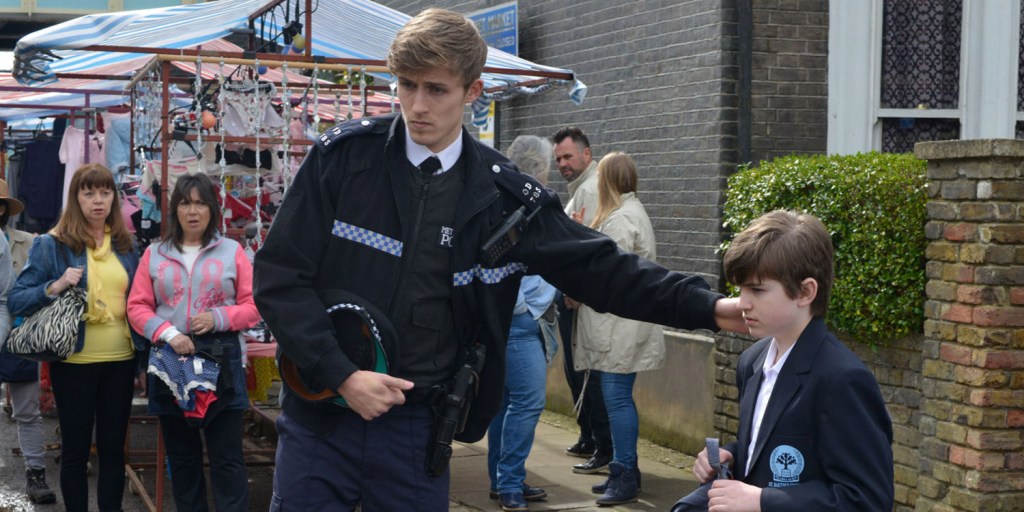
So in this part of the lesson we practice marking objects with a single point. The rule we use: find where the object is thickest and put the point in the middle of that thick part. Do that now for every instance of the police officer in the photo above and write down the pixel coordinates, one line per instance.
(395, 210)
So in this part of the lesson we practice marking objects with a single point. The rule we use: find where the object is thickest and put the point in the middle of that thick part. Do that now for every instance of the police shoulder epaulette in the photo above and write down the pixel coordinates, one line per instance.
(329, 139)
(524, 187)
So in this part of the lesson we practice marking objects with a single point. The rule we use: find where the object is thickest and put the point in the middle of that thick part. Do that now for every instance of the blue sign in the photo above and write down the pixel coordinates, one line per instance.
(499, 26)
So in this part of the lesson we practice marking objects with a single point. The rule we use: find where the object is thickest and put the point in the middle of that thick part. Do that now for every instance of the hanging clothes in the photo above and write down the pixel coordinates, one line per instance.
(118, 136)
(72, 153)
(42, 168)
(248, 111)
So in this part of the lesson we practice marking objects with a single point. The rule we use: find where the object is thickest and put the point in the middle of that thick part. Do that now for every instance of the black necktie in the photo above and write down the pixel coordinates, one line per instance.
(430, 166)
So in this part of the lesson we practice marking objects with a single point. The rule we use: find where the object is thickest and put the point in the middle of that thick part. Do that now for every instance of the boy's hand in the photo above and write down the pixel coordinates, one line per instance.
(702, 469)
(733, 496)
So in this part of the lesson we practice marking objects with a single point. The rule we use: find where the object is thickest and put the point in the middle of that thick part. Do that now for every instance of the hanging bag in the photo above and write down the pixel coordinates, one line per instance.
(50, 334)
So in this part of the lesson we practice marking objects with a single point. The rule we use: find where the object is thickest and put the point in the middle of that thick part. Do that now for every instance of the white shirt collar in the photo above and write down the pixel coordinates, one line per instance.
(773, 350)
(417, 153)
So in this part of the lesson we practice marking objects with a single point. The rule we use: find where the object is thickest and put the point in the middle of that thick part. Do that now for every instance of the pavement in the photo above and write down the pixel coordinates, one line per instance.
(666, 473)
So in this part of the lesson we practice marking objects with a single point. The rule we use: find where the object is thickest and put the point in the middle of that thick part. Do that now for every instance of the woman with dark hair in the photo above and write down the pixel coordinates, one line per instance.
(89, 248)
(191, 298)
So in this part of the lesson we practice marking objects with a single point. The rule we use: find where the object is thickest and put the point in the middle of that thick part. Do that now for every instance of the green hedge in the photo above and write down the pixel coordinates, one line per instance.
(874, 207)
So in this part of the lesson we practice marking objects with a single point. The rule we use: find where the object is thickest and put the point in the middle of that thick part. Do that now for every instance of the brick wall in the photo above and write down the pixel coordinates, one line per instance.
(789, 90)
(897, 366)
(972, 376)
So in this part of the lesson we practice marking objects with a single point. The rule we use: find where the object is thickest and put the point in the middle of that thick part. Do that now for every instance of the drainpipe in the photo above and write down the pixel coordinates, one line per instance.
(745, 13)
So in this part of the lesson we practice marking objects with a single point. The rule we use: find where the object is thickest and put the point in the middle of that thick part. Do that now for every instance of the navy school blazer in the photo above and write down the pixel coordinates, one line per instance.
(826, 437)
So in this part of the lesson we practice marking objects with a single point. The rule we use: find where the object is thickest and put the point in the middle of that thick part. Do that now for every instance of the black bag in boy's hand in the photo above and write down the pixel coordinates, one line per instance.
(697, 501)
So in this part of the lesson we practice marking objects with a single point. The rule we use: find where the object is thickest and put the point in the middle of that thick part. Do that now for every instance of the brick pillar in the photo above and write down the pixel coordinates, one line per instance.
(728, 347)
(972, 374)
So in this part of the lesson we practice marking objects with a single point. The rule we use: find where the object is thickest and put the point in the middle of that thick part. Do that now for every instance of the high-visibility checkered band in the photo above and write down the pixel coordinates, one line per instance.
(488, 275)
(367, 237)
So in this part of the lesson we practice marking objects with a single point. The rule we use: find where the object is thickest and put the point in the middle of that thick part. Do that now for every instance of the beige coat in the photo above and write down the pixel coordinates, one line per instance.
(608, 343)
(20, 242)
(583, 194)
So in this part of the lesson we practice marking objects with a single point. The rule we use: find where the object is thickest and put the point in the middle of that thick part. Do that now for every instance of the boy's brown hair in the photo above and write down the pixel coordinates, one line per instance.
(788, 247)
(439, 39)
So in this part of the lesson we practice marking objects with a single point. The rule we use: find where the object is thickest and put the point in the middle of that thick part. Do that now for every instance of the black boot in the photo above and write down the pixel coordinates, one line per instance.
(600, 488)
(622, 486)
(38, 491)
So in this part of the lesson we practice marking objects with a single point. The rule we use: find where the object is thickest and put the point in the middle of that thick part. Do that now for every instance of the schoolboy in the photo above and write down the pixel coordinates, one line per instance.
(369, 215)
(814, 431)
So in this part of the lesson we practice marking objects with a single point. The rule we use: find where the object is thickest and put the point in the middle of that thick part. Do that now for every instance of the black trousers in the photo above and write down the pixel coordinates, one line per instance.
(223, 436)
(88, 394)
(378, 465)
(593, 417)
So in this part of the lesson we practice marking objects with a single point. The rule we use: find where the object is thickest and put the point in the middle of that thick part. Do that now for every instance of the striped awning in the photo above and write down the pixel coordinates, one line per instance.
(354, 29)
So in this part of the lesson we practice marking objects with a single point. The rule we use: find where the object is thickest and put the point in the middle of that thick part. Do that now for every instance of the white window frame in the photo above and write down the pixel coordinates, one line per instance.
(987, 105)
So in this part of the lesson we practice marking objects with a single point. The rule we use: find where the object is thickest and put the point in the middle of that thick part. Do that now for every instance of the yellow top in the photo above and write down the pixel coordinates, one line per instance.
(107, 338)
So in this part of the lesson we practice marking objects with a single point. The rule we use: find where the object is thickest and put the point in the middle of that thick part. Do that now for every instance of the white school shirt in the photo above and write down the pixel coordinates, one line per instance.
(764, 394)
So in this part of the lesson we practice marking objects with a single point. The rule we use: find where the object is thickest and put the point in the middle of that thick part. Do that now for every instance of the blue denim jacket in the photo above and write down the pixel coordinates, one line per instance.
(45, 266)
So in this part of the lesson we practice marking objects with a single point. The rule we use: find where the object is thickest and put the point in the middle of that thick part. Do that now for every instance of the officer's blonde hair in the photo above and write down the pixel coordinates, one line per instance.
(439, 39)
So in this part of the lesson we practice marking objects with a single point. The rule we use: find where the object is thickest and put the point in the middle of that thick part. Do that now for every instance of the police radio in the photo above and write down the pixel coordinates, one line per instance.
(506, 236)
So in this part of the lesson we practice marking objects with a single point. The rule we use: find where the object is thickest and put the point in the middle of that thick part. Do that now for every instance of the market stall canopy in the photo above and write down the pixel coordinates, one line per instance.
(358, 29)
(71, 93)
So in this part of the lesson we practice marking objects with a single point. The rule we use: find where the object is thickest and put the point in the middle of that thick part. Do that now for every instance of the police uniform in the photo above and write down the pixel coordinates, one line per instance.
(360, 219)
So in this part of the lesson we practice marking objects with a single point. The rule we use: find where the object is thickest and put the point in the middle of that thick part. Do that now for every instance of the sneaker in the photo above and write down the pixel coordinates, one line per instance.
(581, 449)
(530, 493)
(38, 491)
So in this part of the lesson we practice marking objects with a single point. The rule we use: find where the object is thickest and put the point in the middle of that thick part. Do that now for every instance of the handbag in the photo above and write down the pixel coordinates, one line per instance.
(50, 334)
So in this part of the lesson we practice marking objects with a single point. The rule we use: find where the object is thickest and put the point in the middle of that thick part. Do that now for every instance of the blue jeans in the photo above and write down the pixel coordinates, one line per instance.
(625, 423)
(510, 435)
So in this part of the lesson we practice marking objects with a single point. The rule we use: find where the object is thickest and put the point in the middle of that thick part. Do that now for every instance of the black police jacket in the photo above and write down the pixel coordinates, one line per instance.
(340, 226)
